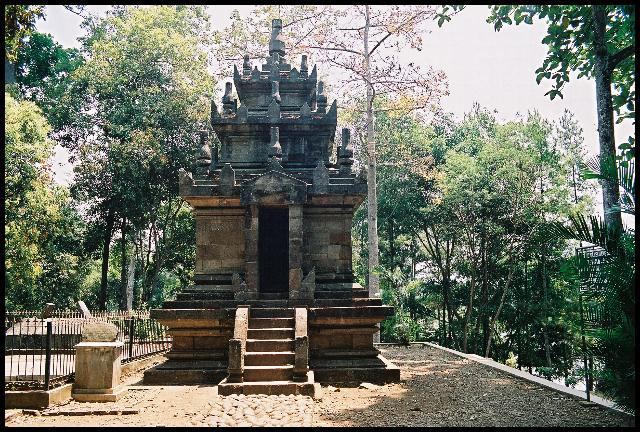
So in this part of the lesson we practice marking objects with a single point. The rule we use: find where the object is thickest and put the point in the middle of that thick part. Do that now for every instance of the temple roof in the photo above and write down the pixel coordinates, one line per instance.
(281, 120)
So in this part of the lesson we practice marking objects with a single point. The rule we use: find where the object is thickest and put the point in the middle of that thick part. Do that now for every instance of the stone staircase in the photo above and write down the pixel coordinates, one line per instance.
(270, 345)
(269, 358)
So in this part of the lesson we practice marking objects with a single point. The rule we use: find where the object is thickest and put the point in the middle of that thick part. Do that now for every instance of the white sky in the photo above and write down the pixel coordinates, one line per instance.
(495, 69)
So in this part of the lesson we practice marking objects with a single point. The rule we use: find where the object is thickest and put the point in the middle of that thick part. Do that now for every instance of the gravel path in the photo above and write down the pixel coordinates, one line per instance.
(437, 389)
(176, 406)
(441, 389)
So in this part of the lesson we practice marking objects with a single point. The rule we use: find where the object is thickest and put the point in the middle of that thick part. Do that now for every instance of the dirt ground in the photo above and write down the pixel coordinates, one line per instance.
(437, 389)
(441, 389)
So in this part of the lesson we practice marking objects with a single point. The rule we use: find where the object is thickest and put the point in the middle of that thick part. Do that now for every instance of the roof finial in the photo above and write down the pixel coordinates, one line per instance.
(276, 43)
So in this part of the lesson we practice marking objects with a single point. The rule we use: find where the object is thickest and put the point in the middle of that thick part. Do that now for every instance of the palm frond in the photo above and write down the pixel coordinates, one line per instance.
(592, 230)
(621, 173)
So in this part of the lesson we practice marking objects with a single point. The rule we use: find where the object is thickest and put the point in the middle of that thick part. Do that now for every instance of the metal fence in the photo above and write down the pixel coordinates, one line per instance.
(40, 353)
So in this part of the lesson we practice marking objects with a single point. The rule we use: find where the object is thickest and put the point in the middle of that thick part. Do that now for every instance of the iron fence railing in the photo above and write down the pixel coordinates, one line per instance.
(40, 353)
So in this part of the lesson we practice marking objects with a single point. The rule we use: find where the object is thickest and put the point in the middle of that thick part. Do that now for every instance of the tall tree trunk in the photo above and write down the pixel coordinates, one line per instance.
(603, 71)
(123, 265)
(497, 315)
(545, 331)
(105, 261)
(449, 311)
(519, 341)
(527, 319)
(472, 285)
(413, 261)
(372, 199)
(130, 280)
(467, 315)
(485, 291)
(476, 335)
(444, 318)
(392, 246)
(439, 326)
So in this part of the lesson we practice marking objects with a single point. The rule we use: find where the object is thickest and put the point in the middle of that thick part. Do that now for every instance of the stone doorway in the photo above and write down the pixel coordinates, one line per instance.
(273, 250)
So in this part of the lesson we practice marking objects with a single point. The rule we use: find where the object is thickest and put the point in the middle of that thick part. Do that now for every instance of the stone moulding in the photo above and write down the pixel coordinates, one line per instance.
(272, 183)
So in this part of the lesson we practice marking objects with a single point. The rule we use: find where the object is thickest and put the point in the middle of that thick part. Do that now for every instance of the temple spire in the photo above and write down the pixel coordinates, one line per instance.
(276, 43)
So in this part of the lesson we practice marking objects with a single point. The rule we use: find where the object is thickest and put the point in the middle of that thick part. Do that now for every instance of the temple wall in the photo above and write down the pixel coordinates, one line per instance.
(327, 241)
(220, 243)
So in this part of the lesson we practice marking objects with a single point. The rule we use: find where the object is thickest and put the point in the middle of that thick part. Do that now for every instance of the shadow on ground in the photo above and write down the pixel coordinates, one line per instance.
(440, 389)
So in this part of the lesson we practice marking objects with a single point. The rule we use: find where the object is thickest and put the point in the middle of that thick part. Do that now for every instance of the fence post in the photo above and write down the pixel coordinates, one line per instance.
(47, 363)
(131, 331)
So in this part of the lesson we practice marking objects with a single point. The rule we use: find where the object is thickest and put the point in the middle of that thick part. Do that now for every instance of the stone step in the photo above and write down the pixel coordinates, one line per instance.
(268, 373)
(205, 295)
(348, 302)
(271, 333)
(218, 303)
(258, 323)
(208, 287)
(208, 279)
(199, 304)
(341, 294)
(270, 388)
(270, 345)
(279, 358)
(274, 296)
(280, 312)
(267, 303)
(320, 286)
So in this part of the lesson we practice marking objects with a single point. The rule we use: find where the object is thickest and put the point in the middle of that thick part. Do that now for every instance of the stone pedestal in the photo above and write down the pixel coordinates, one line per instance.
(200, 345)
(341, 345)
(98, 372)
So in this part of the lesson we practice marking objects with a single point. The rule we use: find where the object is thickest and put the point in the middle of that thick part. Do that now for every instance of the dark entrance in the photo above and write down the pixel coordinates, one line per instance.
(273, 250)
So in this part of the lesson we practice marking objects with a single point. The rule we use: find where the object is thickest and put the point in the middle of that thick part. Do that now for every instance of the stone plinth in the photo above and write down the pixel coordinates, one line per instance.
(341, 345)
(199, 352)
(97, 376)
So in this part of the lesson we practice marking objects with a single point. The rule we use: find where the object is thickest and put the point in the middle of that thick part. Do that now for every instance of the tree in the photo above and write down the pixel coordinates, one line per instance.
(19, 22)
(597, 41)
(405, 168)
(568, 136)
(134, 107)
(43, 67)
(613, 291)
(44, 259)
(335, 35)
(377, 71)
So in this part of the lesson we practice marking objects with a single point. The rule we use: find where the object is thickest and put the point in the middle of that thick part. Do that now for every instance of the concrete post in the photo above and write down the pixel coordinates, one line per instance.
(98, 356)
(301, 362)
(238, 346)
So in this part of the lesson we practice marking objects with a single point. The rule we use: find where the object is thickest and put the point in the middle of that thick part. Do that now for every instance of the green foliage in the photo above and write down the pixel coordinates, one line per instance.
(475, 213)
(42, 71)
(134, 108)
(43, 258)
(612, 292)
(19, 22)
(570, 38)
(400, 328)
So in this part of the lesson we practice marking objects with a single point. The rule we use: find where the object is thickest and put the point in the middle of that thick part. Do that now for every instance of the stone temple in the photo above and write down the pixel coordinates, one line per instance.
(274, 307)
